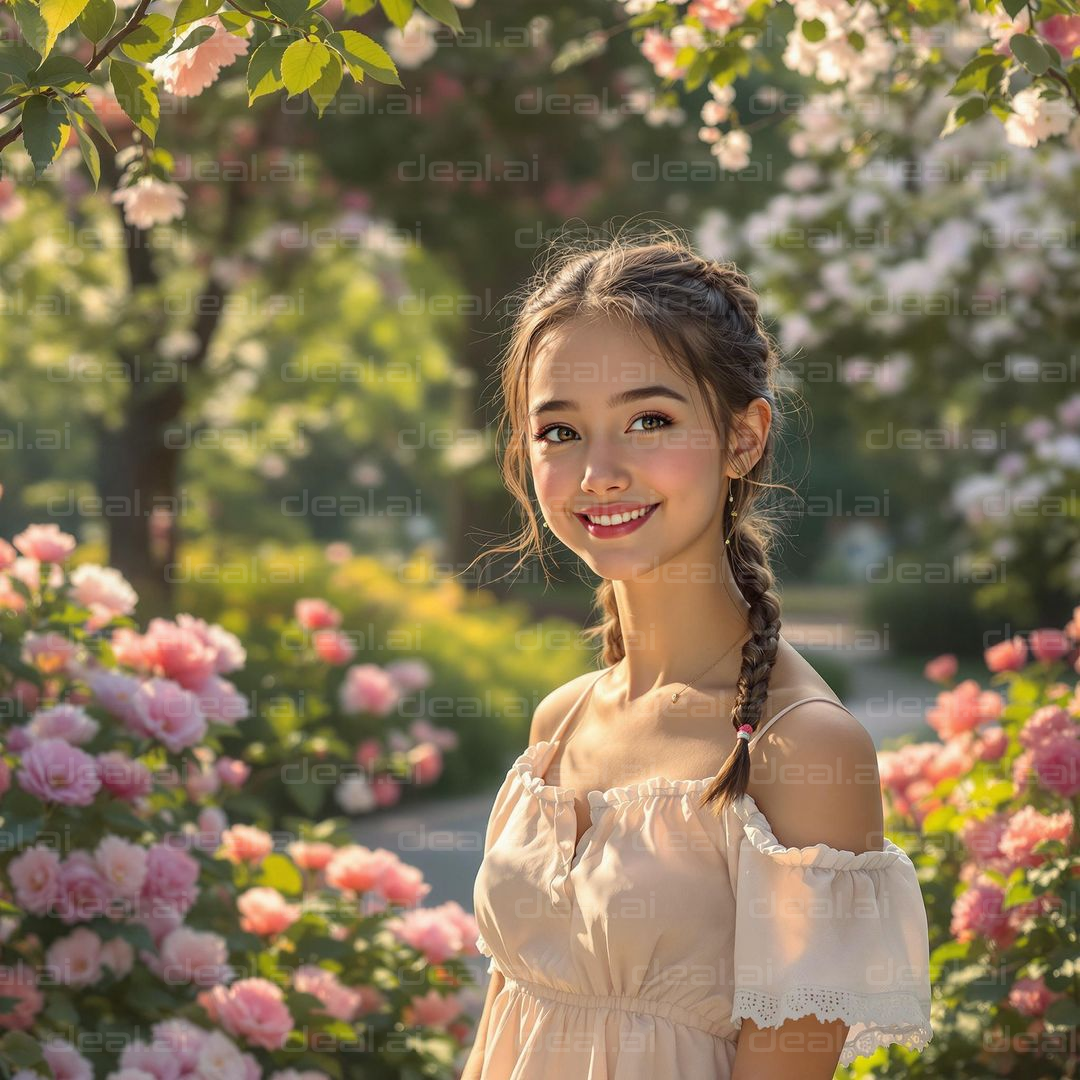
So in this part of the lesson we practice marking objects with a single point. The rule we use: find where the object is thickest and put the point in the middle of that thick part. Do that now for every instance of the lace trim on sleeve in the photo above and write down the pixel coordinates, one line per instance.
(874, 1019)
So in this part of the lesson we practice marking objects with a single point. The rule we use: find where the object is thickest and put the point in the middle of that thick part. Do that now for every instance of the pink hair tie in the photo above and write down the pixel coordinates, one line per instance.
(744, 732)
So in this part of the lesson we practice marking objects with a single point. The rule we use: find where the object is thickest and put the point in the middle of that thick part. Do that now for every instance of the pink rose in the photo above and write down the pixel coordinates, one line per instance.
(118, 955)
(386, 790)
(246, 844)
(172, 879)
(178, 653)
(1057, 765)
(183, 1040)
(122, 865)
(82, 893)
(402, 884)
(65, 1061)
(410, 675)
(265, 911)
(51, 653)
(941, 669)
(45, 543)
(367, 688)
(232, 772)
(355, 868)
(963, 709)
(979, 911)
(75, 960)
(121, 776)
(1049, 722)
(251, 1009)
(221, 702)
(311, 854)
(5, 777)
(340, 1001)
(68, 722)
(153, 1061)
(35, 873)
(1063, 32)
(1026, 828)
(56, 771)
(20, 982)
(1031, 997)
(189, 73)
(1006, 655)
(333, 647)
(116, 692)
(368, 752)
(316, 614)
(1048, 644)
(432, 1010)
(170, 714)
(430, 931)
(193, 956)
(991, 744)
(426, 761)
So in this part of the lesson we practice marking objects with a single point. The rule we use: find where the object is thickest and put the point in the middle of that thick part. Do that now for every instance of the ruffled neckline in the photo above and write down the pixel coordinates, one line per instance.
(756, 826)
(526, 767)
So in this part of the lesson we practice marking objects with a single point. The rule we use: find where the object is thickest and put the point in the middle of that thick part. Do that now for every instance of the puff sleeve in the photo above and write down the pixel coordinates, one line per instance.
(832, 933)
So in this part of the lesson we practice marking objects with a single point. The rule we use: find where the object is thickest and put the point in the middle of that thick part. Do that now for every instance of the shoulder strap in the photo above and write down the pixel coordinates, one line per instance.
(571, 712)
(787, 708)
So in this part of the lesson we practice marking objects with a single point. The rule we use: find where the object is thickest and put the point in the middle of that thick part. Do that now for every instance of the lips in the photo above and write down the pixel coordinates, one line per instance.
(611, 531)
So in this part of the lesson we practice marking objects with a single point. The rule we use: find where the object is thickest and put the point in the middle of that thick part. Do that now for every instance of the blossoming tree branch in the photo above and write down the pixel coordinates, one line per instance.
(55, 50)
(1013, 59)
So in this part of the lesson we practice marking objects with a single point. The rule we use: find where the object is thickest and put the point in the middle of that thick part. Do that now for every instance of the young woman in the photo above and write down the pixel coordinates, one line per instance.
(685, 873)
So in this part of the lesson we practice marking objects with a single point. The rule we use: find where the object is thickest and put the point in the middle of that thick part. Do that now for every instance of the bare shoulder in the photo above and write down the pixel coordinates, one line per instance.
(814, 774)
(553, 708)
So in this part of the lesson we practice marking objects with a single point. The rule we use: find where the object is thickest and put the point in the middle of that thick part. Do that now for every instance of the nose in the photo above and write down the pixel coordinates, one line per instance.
(604, 476)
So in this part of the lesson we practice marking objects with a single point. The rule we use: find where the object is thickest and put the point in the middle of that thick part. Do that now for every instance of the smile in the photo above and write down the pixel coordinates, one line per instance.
(612, 525)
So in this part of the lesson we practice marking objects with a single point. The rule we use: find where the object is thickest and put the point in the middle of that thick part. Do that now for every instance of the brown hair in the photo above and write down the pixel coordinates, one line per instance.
(704, 317)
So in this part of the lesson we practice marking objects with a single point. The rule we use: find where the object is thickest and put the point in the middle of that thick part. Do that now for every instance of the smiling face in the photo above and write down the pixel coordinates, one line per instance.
(593, 451)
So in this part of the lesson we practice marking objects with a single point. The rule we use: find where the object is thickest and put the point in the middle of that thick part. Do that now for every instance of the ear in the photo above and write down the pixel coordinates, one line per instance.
(746, 443)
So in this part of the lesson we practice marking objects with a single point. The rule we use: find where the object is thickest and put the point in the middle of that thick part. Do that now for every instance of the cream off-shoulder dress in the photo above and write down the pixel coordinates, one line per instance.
(634, 952)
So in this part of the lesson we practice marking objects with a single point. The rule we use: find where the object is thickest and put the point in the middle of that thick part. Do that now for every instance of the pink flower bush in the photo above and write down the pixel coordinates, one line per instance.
(941, 669)
(368, 688)
(1003, 781)
(134, 895)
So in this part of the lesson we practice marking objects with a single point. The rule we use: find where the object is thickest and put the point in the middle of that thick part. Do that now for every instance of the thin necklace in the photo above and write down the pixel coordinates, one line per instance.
(675, 696)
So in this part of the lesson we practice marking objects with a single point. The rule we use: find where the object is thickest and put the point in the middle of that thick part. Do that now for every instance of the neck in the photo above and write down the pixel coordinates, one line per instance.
(675, 627)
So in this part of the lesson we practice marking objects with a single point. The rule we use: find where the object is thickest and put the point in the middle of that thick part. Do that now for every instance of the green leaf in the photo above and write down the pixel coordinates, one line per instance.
(58, 16)
(1064, 1012)
(280, 872)
(21, 1049)
(813, 30)
(939, 820)
(97, 19)
(137, 94)
(45, 130)
(977, 75)
(61, 71)
(196, 37)
(86, 111)
(323, 89)
(302, 64)
(399, 12)
(361, 55)
(445, 12)
(151, 39)
(264, 68)
(88, 149)
(33, 26)
(18, 60)
(190, 10)
(308, 795)
(359, 7)
(1030, 53)
(1013, 7)
(964, 113)
(292, 11)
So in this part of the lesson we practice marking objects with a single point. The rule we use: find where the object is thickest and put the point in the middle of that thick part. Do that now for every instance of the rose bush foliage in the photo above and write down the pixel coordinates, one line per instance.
(989, 814)
(143, 936)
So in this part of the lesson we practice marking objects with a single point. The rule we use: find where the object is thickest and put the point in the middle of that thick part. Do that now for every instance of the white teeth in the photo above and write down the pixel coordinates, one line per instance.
(618, 519)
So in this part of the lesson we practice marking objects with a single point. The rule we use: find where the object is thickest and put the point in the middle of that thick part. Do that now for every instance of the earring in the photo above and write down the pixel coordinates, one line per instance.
(734, 514)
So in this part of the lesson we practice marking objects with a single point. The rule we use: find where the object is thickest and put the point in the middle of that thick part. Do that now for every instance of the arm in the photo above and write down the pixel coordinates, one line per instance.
(475, 1062)
(814, 776)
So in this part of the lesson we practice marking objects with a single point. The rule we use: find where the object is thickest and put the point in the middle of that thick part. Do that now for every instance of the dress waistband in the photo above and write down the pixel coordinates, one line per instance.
(625, 1003)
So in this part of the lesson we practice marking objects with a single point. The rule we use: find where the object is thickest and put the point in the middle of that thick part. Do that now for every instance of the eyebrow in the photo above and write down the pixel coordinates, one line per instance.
(621, 397)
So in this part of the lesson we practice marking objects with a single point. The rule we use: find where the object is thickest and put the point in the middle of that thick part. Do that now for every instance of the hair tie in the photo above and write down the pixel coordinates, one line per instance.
(744, 732)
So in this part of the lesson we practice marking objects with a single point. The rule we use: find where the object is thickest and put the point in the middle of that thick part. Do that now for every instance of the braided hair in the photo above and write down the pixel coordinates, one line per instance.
(704, 316)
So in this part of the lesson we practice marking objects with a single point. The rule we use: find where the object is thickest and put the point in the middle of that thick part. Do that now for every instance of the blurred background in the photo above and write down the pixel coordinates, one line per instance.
(287, 390)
